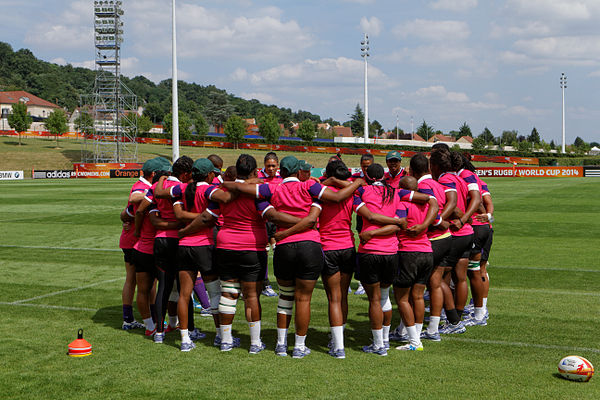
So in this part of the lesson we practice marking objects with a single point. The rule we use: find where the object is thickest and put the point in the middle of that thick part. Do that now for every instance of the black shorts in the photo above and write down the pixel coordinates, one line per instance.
(373, 268)
(196, 258)
(340, 261)
(144, 262)
(441, 249)
(243, 265)
(128, 255)
(302, 260)
(165, 254)
(415, 268)
(485, 250)
(271, 229)
(461, 248)
(480, 237)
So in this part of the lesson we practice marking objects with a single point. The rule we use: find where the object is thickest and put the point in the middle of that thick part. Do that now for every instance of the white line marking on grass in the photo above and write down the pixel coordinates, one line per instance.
(491, 268)
(55, 248)
(521, 344)
(48, 306)
(547, 291)
(66, 291)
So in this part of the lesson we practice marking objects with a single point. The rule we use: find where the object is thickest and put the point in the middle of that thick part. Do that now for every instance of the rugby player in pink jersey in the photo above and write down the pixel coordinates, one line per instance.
(482, 236)
(298, 258)
(462, 237)
(439, 236)
(269, 174)
(128, 240)
(166, 243)
(143, 258)
(395, 169)
(195, 251)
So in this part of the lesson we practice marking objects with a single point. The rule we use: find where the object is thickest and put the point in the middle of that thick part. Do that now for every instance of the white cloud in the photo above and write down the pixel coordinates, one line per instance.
(359, 1)
(372, 26)
(239, 74)
(433, 30)
(527, 29)
(580, 10)
(440, 94)
(433, 55)
(262, 97)
(453, 5)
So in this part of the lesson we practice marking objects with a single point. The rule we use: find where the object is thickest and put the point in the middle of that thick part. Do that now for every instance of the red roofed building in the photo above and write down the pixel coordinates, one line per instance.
(441, 138)
(343, 131)
(465, 139)
(38, 108)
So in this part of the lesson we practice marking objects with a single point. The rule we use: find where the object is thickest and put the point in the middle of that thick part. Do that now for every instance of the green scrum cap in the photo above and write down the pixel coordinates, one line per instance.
(290, 164)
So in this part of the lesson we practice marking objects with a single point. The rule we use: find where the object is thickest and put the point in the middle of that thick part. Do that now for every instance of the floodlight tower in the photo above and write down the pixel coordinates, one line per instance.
(113, 106)
(364, 53)
(175, 101)
(563, 86)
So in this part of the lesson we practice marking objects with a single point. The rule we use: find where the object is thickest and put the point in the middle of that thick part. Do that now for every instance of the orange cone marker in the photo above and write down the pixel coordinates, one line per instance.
(79, 347)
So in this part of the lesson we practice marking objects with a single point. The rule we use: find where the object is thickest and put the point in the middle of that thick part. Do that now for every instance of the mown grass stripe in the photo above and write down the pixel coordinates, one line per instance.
(491, 268)
(66, 291)
(519, 344)
(546, 291)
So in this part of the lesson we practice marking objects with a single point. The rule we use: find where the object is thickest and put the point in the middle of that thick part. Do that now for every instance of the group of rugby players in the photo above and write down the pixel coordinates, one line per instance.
(426, 228)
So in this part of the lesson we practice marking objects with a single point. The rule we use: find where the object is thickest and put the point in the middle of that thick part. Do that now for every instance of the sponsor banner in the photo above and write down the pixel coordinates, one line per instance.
(91, 170)
(53, 174)
(530, 172)
(505, 159)
(124, 173)
(10, 175)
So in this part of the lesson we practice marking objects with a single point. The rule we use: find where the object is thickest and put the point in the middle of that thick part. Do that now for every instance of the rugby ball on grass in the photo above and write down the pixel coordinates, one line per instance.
(575, 368)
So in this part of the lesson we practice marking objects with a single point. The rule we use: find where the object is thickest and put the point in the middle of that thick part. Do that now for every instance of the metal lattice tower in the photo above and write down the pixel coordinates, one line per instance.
(112, 105)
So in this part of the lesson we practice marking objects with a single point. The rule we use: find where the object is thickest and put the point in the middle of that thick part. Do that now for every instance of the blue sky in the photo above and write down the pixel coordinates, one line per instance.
(487, 63)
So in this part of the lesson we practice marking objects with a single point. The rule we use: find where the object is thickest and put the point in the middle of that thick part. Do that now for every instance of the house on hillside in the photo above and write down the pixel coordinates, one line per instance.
(38, 108)
(343, 131)
(441, 138)
(465, 139)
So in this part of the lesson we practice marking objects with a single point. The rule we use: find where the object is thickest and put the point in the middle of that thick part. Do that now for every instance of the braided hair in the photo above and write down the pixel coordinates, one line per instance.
(190, 190)
(375, 174)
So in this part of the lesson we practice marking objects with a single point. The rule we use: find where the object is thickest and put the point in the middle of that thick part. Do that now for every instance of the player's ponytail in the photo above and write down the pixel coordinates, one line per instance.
(190, 190)
(374, 173)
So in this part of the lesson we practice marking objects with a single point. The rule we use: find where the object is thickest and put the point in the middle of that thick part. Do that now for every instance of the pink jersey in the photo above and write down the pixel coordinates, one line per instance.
(202, 202)
(452, 182)
(483, 189)
(269, 179)
(429, 186)
(415, 214)
(394, 181)
(145, 243)
(294, 198)
(165, 207)
(218, 180)
(372, 197)
(357, 175)
(128, 239)
(243, 224)
(335, 224)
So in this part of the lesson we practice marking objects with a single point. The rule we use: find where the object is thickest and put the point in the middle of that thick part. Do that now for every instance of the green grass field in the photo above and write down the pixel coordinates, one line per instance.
(62, 271)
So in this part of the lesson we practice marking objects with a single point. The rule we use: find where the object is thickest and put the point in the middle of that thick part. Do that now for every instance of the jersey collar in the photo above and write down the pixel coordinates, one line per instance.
(428, 176)
(290, 179)
(173, 179)
(144, 181)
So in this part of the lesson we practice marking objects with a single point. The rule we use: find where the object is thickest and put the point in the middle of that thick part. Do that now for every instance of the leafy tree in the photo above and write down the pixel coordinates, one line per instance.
(218, 109)
(56, 123)
(524, 145)
(323, 133)
(580, 144)
(544, 146)
(594, 144)
(552, 145)
(479, 144)
(19, 119)
(465, 130)
(425, 131)
(155, 112)
(84, 123)
(331, 122)
(509, 137)
(306, 131)
(235, 129)
(137, 123)
(268, 127)
(486, 135)
(534, 137)
(357, 121)
(201, 125)
(185, 125)
(375, 128)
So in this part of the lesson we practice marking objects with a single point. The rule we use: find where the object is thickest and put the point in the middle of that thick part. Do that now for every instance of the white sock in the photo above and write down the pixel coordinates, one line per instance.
(149, 324)
(401, 328)
(282, 336)
(300, 340)
(434, 323)
(412, 334)
(254, 332)
(386, 333)
(485, 303)
(377, 337)
(185, 336)
(479, 313)
(173, 321)
(226, 336)
(337, 334)
(419, 329)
